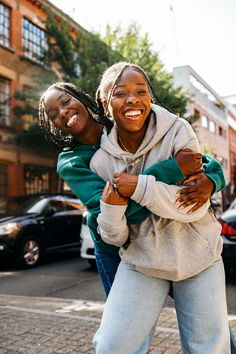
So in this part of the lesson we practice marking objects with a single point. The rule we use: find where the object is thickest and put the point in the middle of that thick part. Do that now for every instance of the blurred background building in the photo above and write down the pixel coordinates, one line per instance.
(215, 123)
(24, 45)
(23, 54)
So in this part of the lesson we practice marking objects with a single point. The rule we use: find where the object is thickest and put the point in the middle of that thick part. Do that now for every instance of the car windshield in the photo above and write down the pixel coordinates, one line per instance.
(25, 205)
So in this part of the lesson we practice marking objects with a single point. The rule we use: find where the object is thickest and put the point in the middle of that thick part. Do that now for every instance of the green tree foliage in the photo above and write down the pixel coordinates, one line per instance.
(62, 49)
(92, 58)
(134, 47)
(82, 60)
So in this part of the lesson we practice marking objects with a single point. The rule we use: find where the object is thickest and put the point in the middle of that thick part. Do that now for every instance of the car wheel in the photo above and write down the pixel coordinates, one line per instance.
(30, 252)
(92, 262)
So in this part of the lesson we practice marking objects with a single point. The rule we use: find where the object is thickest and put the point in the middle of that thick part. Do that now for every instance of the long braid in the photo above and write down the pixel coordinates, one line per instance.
(102, 112)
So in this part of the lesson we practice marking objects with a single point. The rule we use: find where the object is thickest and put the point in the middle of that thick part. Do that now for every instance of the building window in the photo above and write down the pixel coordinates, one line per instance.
(28, 121)
(212, 127)
(222, 132)
(3, 179)
(37, 179)
(3, 186)
(4, 25)
(205, 121)
(196, 113)
(35, 44)
(4, 102)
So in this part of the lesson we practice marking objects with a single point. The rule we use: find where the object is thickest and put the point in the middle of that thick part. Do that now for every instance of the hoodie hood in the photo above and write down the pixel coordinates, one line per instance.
(160, 122)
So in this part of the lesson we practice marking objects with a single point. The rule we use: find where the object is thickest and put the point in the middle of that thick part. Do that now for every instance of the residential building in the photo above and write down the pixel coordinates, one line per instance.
(211, 127)
(231, 118)
(23, 53)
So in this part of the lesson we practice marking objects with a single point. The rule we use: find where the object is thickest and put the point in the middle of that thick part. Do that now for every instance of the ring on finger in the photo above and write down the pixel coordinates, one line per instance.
(114, 185)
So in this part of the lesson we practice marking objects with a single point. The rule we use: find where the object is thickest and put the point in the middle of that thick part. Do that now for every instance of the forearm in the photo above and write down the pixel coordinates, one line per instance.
(112, 224)
(167, 171)
(160, 199)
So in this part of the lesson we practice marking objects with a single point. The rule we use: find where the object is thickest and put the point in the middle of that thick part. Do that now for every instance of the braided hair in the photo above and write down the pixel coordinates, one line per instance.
(52, 134)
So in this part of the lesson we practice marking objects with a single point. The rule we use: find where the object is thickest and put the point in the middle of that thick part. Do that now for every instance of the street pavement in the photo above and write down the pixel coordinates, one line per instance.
(32, 325)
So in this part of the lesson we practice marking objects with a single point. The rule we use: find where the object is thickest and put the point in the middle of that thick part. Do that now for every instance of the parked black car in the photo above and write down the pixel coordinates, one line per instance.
(34, 224)
(228, 233)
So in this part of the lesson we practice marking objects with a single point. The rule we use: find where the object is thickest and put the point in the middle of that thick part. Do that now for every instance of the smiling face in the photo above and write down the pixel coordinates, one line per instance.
(67, 114)
(130, 101)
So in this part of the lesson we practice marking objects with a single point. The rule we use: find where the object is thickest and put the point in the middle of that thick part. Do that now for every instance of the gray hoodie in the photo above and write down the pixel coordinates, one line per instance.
(170, 244)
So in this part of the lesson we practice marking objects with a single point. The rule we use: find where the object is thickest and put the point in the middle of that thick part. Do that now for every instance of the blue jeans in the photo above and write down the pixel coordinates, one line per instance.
(107, 264)
(136, 300)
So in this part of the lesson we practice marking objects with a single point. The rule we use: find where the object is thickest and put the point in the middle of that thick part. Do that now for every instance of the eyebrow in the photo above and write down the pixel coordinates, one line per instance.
(63, 93)
(58, 98)
(138, 84)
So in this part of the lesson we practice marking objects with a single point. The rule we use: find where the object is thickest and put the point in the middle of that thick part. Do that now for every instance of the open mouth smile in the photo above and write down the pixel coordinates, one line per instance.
(134, 114)
(72, 120)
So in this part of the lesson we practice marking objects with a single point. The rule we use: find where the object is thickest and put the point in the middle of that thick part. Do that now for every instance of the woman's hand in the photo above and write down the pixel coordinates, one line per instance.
(111, 195)
(195, 194)
(190, 162)
(125, 183)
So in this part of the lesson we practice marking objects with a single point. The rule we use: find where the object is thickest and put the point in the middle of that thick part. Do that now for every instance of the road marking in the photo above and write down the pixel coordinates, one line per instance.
(82, 305)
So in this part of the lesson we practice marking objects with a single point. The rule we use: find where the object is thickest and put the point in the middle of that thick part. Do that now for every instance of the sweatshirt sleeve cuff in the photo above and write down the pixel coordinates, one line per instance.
(140, 188)
(112, 213)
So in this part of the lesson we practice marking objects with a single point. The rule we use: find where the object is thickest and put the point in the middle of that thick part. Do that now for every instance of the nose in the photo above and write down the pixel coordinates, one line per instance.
(63, 112)
(132, 98)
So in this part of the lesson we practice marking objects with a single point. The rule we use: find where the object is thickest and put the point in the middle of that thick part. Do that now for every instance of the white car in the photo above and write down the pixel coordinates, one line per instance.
(87, 245)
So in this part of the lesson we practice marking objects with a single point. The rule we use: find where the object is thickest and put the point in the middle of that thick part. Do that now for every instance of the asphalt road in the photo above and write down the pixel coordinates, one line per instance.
(70, 277)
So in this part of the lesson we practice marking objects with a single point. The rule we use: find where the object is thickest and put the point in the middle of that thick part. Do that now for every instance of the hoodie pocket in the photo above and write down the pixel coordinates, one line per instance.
(204, 230)
(174, 250)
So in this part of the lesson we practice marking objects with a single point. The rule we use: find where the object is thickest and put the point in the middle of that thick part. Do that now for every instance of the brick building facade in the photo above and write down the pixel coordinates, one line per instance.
(23, 44)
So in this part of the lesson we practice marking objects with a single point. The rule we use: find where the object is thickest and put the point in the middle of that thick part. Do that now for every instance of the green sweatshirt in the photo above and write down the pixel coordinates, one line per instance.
(73, 168)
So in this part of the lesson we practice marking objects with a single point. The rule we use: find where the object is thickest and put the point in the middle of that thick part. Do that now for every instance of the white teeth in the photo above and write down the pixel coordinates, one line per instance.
(133, 113)
(72, 120)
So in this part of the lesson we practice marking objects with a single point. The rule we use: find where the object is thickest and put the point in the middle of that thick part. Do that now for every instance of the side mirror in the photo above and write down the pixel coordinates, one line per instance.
(50, 211)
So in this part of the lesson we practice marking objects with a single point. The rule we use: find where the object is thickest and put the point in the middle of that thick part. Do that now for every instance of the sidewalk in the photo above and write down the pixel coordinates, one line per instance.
(32, 325)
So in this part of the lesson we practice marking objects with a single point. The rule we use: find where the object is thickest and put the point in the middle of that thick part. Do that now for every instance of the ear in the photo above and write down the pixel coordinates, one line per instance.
(105, 107)
(104, 104)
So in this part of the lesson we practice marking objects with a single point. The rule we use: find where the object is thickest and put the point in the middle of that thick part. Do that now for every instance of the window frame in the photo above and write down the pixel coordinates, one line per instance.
(37, 179)
(212, 126)
(5, 102)
(204, 119)
(3, 179)
(5, 36)
(34, 42)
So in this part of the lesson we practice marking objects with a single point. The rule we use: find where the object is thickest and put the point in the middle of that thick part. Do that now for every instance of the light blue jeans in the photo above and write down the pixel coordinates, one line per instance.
(136, 300)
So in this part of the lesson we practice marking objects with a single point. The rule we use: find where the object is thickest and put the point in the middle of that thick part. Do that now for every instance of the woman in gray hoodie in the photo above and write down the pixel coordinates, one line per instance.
(176, 244)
